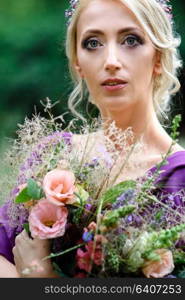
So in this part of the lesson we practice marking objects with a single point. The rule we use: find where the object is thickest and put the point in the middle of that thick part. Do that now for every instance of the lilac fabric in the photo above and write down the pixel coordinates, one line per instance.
(7, 234)
(171, 180)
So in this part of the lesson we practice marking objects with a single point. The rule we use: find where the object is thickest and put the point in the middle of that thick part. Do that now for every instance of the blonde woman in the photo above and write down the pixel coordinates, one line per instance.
(124, 53)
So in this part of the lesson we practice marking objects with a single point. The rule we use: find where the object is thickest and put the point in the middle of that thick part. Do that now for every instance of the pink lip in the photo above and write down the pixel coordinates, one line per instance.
(116, 87)
(120, 84)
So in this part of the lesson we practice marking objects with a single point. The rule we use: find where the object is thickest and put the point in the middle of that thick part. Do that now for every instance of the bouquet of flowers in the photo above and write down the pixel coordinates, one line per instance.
(67, 189)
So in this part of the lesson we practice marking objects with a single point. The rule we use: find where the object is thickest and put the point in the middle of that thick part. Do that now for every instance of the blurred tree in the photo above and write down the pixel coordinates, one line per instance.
(33, 63)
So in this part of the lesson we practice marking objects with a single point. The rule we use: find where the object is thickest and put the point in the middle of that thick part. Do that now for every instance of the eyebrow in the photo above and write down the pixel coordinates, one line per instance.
(123, 30)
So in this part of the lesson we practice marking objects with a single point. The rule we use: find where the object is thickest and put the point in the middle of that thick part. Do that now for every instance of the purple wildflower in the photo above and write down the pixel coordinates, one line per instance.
(106, 156)
(93, 163)
(88, 206)
(180, 243)
(67, 136)
(129, 219)
(35, 156)
(177, 200)
(15, 191)
(118, 231)
(124, 198)
(22, 179)
(18, 212)
(82, 176)
(137, 221)
(87, 209)
(132, 220)
(87, 236)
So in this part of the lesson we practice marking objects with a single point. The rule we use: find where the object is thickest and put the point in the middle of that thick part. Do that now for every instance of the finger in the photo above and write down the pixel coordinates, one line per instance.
(14, 250)
(21, 238)
(15, 254)
(25, 235)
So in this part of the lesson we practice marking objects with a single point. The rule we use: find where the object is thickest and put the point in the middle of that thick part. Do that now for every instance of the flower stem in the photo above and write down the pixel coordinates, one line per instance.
(63, 252)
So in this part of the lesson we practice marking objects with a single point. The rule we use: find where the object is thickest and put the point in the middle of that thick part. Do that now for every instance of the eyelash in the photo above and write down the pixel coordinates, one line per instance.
(85, 43)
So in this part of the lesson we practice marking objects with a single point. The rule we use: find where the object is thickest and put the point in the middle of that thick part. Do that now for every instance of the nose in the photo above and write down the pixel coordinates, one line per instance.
(112, 62)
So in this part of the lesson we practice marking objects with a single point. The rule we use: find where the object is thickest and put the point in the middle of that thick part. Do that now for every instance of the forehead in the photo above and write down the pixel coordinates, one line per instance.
(106, 14)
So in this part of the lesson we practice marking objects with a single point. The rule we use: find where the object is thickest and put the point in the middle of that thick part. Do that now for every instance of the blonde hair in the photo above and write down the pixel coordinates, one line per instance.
(159, 28)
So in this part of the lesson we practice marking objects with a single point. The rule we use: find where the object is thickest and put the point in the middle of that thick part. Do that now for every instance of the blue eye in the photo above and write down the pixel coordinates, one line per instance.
(132, 41)
(91, 44)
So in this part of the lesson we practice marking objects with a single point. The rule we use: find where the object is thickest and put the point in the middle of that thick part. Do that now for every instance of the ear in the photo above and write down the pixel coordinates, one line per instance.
(157, 65)
(78, 68)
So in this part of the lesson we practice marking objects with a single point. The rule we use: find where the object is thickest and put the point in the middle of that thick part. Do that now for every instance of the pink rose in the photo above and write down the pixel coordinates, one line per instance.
(59, 187)
(158, 269)
(47, 221)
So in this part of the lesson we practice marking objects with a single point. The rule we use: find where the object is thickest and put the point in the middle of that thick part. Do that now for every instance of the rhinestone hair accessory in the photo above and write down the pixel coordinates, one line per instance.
(73, 4)
(69, 12)
(167, 8)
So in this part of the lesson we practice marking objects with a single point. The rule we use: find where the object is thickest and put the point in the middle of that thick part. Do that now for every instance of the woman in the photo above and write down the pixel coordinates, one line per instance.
(125, 53)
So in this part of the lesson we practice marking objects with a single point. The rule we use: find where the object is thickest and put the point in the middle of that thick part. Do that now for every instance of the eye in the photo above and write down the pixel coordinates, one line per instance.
(91, 44)
(133, 41)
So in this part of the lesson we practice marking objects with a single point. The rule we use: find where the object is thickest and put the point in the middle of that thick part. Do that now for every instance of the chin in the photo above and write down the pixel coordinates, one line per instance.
(116, 104)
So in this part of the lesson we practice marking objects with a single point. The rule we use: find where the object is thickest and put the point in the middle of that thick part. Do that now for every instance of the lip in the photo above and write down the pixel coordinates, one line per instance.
(114, 87)
(111, 80)
(120, 84)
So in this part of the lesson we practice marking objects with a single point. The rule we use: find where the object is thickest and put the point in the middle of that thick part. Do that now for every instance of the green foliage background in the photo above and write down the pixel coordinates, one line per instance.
(33, 65)
(32, 60)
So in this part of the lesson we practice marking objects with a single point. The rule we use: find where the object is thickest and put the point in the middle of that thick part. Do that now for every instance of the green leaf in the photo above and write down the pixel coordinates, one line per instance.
(112, 217)
(26, 227)
(114, 192)
(181, 274)
(23, 196)
(58, 270)
(152, 256)
(81, 195)
(179, 256)
(158, 215)
(34, 190)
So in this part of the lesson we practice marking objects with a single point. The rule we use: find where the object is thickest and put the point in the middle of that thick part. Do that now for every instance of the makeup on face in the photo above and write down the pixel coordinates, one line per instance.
(93, 39)
(116, 57)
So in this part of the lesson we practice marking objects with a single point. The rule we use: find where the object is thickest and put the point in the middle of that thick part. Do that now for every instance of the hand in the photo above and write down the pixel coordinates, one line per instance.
(28, 255)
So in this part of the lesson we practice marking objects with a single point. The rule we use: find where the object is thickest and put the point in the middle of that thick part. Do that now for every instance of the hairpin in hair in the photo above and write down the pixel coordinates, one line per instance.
(73, 4)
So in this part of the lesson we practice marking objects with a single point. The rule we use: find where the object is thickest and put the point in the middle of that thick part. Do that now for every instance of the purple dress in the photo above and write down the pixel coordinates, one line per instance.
(170, 181)
(7, 234)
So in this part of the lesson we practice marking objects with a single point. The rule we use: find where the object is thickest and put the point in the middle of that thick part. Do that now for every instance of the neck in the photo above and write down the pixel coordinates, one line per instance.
(144, 124)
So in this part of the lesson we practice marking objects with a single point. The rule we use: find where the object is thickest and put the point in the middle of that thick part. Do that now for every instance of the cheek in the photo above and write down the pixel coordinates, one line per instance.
(87, 64)
(91, 86)
(143, 67)
(88, 68)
